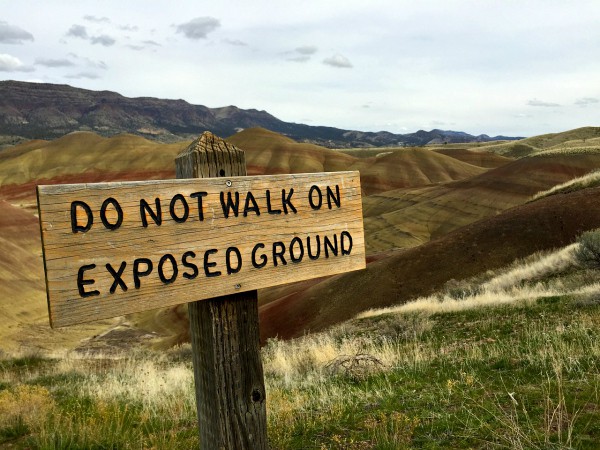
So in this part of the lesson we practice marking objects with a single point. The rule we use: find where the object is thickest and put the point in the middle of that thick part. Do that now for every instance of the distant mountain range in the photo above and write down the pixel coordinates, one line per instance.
(48, 111)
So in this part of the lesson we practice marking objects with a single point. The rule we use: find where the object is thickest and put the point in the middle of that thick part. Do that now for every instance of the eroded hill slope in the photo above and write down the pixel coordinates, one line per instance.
(491, 243)
(411, 196)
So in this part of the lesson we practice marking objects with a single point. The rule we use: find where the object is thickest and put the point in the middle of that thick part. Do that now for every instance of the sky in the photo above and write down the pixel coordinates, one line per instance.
(513, 68)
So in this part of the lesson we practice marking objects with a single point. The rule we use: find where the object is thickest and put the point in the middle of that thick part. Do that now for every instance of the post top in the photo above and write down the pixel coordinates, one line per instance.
(210, 156)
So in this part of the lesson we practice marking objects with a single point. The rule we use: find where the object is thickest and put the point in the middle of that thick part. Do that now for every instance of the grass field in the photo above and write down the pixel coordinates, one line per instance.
(522, 372)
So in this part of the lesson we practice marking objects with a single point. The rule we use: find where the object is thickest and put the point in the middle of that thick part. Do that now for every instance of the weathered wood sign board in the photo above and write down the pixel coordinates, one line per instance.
(116, 248)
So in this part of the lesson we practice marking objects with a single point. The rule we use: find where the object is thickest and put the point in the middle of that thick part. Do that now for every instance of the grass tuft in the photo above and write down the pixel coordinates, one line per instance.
(589, 180)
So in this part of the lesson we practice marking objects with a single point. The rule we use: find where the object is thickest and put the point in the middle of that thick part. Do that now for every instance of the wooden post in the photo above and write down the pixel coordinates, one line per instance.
(230, 391)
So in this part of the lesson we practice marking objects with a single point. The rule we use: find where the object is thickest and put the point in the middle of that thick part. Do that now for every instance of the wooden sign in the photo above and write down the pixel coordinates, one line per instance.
(116, 248)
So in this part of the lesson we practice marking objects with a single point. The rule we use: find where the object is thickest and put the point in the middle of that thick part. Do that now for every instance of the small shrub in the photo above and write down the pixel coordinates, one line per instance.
(588, 252)
(356, 367)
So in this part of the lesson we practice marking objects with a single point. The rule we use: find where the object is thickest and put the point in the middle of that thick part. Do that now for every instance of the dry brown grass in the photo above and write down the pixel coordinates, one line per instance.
(513, 284)
(591, 179)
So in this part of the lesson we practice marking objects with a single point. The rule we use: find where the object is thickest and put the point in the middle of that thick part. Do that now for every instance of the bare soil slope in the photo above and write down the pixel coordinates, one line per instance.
(268, 152)
(23, 311)
(416, 195)
(409, 217)
(87, 157)
(477, 158)
(488, 244)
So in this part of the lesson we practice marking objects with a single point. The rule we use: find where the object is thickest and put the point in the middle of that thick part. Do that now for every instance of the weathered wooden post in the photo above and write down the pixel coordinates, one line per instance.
(230, 388)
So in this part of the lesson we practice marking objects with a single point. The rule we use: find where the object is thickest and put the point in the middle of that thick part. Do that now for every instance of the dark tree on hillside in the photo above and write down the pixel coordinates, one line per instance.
(588, 253)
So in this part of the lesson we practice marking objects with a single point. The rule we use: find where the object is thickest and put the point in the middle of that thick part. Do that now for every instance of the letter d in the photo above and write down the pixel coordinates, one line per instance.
(75, 223)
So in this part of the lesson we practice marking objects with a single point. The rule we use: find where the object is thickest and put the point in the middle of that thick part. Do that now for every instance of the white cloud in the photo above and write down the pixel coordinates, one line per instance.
(144, 45)
(338, 61)
(95, 64)
(129, 27)
(103, 39)
(49, 62)
(199, 27)
(9, 63)
(89, 62)
(543, 104)
(10, 34)
(585, 101)
(301, 54)
(307, 50)
(96, 19)
(83, 75)
(235, 42)
(78, 31)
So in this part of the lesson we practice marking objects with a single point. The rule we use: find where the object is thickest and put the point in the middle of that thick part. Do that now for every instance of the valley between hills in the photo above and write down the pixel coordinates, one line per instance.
(432, 215)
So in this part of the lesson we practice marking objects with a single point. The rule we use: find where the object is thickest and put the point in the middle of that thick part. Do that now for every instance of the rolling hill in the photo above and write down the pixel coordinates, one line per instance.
(23, 311)
(88, 157)
(410, 217)
(268, 152)
(431, 215)
(579, 137)
(488, 244)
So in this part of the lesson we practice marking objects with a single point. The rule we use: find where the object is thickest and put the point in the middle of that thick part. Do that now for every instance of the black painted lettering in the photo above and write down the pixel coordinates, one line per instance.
(156, 215)
(238, 255)
(329, 246)
(137, 273)
(209, 264)
(298, 242)
(335, 197)
(189, 265)
(248, 208)
(263, 258)
(199, 196)
(287, 201)
(270, 210)
(173, 211)
(279, 252)
(230, 204)
(118, 210)
(81, 283)
(308, 247)
(117, 280)
(311, 193)
(161, 269)
(348, 236)
(75, 223)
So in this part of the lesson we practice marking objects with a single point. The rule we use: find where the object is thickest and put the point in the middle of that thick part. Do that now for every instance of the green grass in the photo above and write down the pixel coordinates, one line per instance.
(524, 374)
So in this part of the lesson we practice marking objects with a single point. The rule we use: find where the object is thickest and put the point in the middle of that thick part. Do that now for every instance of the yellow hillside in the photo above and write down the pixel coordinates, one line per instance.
(579, 137)
(409, 217)
(85, 152)
(268, 152)
(411, 196)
